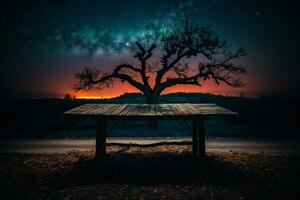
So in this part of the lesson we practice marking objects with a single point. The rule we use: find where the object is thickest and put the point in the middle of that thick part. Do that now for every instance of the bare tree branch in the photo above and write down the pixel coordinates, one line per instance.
(90, 77)
(143, 55)
(191, 40)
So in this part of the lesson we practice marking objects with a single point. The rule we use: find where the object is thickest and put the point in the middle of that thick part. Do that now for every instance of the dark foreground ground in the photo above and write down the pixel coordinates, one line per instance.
(161, 172)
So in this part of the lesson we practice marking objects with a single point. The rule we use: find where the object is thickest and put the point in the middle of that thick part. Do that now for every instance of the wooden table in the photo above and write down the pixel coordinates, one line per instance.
(195, 112)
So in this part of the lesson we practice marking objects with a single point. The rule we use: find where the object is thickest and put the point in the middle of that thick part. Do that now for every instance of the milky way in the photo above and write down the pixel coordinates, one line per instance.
(43, 43)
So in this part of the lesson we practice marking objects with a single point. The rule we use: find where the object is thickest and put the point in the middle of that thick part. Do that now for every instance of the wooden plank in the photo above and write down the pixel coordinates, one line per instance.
(125, 111)
(178, 108)
(152, 111)
(193, 110)
(143, 110)
(146, 111)
(96, 110)
(164, 110)
(78, 110)
(133, 110)
(187, 109)
(119, 109)
(101, 109)
(128, 111)
(172, 110)
(111, 109)
(138, 109)
(157, 110)
(89, 109)
(182, 109)
(73, 111)
(213, 109)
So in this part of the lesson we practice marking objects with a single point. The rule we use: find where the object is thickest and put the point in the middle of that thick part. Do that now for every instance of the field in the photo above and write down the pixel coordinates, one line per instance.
(161, 172)
(156, 172)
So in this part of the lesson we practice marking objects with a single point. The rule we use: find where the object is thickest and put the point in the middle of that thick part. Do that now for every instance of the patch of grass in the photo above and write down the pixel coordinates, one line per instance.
(162, 172)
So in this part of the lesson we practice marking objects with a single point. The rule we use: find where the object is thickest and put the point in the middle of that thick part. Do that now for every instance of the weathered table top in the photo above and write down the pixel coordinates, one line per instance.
(149, 110)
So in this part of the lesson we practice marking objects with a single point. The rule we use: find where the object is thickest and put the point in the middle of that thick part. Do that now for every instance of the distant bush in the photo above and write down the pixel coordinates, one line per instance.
(69, 97)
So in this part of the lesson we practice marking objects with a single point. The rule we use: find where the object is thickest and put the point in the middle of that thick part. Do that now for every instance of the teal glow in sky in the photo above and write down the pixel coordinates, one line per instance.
(43, 43)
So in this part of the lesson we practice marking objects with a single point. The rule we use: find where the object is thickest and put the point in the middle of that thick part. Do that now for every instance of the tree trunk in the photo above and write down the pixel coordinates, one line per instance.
(152, 98)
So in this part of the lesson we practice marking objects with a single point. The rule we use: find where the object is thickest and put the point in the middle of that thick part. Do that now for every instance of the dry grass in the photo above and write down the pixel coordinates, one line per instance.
(162, 172)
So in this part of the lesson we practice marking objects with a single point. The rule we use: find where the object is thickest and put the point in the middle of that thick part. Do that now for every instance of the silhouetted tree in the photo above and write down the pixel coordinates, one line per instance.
(69, 97)
(177, 45)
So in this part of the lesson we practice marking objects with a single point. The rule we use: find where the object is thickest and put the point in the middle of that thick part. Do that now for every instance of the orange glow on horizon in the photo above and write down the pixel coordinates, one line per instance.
(93, 97)
(120, 88)
(253, 88)
(64, 83)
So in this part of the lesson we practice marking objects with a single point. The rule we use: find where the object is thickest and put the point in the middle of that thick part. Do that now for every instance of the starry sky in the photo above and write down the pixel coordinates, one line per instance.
(43, 43)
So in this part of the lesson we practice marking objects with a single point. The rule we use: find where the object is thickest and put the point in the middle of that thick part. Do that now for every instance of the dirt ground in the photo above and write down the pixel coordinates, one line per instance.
(160, 172)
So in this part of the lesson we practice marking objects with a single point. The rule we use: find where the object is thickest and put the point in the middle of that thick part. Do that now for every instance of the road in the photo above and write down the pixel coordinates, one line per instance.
(248, 145)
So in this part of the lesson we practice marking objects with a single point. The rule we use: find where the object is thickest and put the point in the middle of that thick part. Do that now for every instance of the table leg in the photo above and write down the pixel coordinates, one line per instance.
(101, 137)
(195, 138)
(201, 137)
(198, 138)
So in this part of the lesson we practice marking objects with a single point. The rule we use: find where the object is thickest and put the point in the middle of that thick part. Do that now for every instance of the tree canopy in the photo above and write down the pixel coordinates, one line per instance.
(176, 46)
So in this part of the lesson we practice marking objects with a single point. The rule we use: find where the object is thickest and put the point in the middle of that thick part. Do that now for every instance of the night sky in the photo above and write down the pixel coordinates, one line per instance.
(43, 43)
